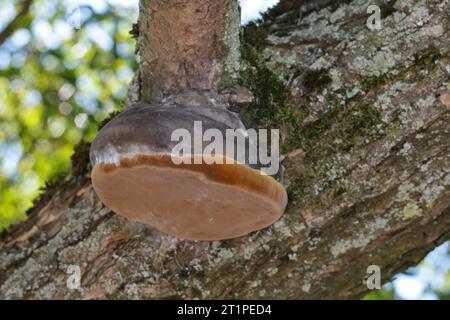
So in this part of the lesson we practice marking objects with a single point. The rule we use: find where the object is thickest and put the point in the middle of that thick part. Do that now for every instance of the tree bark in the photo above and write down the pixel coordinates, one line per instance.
(187, 48)
(365, 119)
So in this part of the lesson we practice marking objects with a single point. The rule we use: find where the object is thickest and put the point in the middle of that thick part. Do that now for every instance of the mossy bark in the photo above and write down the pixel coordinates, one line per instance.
(365, 120)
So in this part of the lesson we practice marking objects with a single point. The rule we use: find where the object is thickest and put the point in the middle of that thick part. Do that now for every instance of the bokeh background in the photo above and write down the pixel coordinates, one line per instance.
(64, 66)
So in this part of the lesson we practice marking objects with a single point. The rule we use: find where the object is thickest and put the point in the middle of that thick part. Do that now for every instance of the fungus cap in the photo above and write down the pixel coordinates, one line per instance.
(134, 174)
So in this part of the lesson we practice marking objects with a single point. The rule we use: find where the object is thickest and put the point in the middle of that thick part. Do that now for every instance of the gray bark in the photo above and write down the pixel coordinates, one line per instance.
(365, 118)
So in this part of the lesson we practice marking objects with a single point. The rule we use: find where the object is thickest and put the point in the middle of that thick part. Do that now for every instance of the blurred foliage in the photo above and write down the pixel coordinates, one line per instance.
(63, 69)
(386, 293)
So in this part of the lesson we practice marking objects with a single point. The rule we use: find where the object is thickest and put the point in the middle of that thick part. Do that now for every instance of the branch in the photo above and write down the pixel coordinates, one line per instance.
(12, 26)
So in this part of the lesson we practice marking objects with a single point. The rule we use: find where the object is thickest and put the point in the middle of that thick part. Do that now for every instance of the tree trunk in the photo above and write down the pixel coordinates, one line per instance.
(365, 120)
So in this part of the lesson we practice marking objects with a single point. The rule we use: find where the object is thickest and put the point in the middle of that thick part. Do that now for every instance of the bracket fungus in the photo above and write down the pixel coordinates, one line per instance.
(135, 172)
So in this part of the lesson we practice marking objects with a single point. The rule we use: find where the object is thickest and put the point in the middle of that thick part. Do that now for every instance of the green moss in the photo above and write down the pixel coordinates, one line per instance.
(282, 7)
(387, 9)
(269, 108)
(428, 58)
(80, 160)
(297, 188)
(294, 6)
(358, 123)
(253, 36)
(290, 18)
(134, 32)
(270, 98)
(363, 121)
(316, 80)
(281, 33)
(111, 116)
(338, 3)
